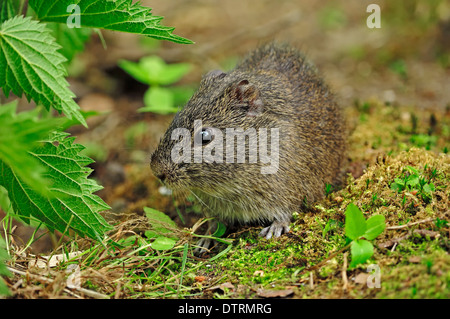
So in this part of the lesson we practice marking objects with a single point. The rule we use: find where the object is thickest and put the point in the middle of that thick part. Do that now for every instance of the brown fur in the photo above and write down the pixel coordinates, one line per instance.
(273, 87)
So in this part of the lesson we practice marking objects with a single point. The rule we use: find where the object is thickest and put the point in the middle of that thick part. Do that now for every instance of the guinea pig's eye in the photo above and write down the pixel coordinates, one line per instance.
(205, 136)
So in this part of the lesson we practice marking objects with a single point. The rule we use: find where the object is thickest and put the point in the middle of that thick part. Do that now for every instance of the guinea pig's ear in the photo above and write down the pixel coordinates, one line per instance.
(248, 94)
(215, 74)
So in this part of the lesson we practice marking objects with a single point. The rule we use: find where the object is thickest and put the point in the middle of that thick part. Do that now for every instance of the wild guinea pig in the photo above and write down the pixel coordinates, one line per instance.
(253, 144)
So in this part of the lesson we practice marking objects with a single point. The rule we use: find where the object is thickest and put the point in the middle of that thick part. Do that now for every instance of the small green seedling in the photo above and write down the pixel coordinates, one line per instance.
(357, 228)
(423, 140)
(328, 189)
(160, 98)
(399, 67)
(330, 226)
(413, 181)
(440, 223)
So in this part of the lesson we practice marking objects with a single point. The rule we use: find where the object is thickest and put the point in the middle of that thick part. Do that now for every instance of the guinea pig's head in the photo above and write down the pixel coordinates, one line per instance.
(199, 150)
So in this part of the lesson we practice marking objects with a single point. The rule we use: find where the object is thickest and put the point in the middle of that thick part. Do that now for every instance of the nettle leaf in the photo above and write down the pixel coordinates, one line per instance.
(19, 133)
(30, 64)
(74, 203)
(7, 10)
(118, 15)
(355, 223)
(361, 251)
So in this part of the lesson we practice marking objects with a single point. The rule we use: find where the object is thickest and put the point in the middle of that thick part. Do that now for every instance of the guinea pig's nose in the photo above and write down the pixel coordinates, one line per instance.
(161, 177)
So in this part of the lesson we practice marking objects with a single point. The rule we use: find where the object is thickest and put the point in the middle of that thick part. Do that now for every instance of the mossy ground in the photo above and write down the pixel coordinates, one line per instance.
(308, 262)
(413, 260)
(408, 58)
(415, 265)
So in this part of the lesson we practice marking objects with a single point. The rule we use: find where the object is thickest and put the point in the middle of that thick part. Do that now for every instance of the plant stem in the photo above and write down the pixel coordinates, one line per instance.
(23, 9)
(183, 265)
(344, 272)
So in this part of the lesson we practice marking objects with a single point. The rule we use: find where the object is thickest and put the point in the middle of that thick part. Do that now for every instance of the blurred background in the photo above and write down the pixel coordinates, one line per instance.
(406, 62)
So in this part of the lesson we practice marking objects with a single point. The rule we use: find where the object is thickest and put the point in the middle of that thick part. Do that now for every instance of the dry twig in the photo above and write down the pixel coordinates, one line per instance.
(344, 272)
(87, 292)
(410, 224)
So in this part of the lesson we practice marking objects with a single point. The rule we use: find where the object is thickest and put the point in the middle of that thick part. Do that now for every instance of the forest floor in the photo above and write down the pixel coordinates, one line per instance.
(392, 82)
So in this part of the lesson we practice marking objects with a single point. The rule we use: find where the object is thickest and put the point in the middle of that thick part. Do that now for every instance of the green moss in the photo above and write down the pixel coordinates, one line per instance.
(429, 278)
(414, 260)
(264, 263)
(318, 231)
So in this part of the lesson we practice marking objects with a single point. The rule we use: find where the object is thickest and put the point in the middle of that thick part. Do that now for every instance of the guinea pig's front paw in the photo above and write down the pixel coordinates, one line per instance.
(202, 246)
(275, 230)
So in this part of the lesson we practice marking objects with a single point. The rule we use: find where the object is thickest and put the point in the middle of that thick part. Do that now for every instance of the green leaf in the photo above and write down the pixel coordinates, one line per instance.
(72, 40)
(30, 64)
(412, 170)
(355, 223)
(160, 222)
(153, 70)
(19, 134)
(73, 204)
(5, 203)
(154, 67)
(135, 70)
(118, 15)
(400, 181)
(7, 10)
(158, 100)
(181, 94)
(396, 187)
(4, 256)
(428, 188)
(413, 181)
(331, 224)
(163, 243)
(375, 226)
(173, 73)
(160, 73)
(220, 230)
(361, 251)
(127, 241)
